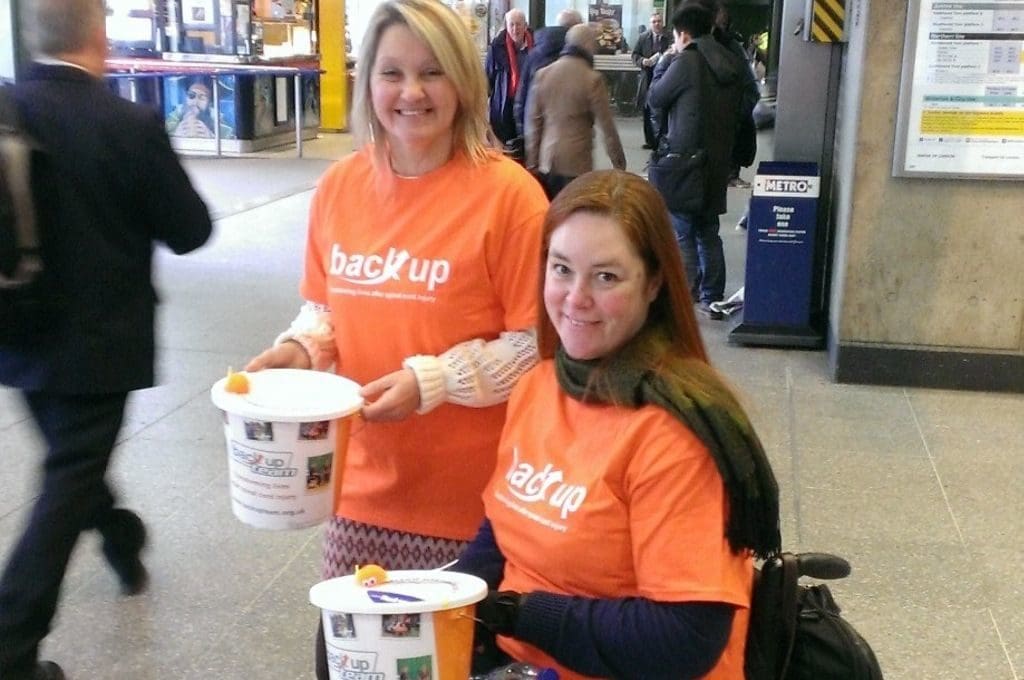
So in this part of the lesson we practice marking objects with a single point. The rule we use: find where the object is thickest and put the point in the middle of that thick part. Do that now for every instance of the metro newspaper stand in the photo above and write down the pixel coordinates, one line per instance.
(780, 257)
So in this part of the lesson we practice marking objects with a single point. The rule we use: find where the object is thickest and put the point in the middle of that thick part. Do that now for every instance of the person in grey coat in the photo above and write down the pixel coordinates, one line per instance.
(568, 97)
(697, 88)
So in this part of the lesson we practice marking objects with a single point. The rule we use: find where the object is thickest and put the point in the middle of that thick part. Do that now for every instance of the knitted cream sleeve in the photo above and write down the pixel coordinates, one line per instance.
(312, 328)
(474, 373)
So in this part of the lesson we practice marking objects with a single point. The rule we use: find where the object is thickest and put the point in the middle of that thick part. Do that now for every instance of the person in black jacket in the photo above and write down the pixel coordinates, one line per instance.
(649, 48)
(697, 87)
(107, 186)
(547, 45)
(745, 147)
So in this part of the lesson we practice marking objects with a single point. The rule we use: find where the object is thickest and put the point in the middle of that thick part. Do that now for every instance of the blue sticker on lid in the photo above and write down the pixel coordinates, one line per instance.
(381, 597)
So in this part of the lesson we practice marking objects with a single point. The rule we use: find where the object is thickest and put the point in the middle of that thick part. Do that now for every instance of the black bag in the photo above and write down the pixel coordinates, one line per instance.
(515, 149)
(744, 148)
(764, 115)
(796, 631)
(679, 178)
(22, 299)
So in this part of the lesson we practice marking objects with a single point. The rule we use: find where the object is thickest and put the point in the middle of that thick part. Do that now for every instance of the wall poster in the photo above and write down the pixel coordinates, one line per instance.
(608, 19)
(961, 106)
(198, 13)
(189, 110)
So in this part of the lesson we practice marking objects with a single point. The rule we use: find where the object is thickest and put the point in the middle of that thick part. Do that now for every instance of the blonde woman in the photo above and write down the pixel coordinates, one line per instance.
(420, 267)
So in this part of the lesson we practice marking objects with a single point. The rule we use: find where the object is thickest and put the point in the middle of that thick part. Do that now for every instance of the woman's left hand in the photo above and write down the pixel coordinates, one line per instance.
(392, 397)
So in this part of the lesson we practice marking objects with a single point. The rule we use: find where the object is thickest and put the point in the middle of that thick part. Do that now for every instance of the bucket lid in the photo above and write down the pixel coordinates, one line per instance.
(405, 592)
(290, 395)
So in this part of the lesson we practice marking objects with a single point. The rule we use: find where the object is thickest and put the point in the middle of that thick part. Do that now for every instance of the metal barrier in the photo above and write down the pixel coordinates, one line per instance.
(160, 69)
(614, 62)
(621, 76)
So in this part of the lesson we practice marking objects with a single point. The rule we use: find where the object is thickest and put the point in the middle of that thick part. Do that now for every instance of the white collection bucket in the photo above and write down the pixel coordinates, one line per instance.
(286, 441)
(417, 625)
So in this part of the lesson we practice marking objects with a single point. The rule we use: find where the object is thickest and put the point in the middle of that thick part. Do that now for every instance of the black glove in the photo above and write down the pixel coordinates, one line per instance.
(498, 611)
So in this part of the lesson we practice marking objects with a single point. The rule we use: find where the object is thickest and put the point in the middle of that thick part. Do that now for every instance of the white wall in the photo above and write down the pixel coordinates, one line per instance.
(7, 59)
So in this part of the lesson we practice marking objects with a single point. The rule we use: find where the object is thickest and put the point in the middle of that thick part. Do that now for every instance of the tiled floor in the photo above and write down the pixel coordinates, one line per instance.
(920, 489)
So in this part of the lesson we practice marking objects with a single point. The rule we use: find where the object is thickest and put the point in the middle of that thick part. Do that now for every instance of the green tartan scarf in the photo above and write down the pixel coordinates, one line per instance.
(627, 379)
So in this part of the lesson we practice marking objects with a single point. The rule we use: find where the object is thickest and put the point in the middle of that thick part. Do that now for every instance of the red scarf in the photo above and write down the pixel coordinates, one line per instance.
(513, 61)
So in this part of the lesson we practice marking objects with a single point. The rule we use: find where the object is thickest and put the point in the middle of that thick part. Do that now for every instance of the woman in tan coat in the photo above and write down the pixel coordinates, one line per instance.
(565, 101)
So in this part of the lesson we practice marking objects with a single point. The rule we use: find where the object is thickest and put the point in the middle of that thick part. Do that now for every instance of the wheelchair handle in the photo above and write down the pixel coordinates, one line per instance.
(822, 566)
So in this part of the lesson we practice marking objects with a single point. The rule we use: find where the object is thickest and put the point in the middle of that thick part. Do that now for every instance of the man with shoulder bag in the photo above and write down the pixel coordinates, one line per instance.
(107, 187)
(697, 91)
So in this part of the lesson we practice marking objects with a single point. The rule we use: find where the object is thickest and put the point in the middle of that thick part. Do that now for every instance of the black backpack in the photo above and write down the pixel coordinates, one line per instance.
(22, 300)
(796, 631)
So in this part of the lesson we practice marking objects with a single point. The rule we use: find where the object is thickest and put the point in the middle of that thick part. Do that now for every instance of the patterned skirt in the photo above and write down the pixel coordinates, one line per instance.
(348, 543)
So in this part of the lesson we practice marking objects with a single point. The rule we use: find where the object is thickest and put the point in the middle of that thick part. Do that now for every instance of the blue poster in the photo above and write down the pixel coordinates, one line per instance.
(189, 110)
(311, 101)
(263, 100)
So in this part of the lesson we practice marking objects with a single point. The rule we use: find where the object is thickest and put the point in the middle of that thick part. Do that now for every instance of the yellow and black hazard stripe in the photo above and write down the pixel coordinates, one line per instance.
(827, 22)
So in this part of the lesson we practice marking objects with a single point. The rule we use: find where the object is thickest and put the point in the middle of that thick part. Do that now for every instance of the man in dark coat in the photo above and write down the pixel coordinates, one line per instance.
(106, 187)
(505, 65)
(745, 148)
(697, 86)
(649, 48)
(547, 45)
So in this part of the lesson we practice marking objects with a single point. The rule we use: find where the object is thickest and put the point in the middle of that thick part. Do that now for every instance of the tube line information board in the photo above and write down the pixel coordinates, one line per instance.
(961, 108)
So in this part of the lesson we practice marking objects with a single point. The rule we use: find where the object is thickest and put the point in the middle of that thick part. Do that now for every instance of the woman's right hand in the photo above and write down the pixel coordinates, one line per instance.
(288, 354)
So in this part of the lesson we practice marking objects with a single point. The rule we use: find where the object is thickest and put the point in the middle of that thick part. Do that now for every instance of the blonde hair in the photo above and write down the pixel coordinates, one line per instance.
(447, 37)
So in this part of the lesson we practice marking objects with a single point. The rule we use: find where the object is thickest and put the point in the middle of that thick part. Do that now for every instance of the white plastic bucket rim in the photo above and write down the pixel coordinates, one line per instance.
(290, 395)
(405, 592)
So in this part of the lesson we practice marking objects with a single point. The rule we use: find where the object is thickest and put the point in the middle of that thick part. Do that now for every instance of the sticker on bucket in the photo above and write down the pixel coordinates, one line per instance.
(286, 441)
(420, 628)
(382, 597)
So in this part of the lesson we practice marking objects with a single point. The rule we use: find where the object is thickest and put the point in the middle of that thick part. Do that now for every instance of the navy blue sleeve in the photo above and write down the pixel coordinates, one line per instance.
(482, 557)
(491, 68)
(522, 92)
(626, 639)
(669, 81)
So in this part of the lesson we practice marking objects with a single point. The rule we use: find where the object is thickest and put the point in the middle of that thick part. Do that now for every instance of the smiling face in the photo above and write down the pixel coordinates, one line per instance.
(596, 289)
(412, 97)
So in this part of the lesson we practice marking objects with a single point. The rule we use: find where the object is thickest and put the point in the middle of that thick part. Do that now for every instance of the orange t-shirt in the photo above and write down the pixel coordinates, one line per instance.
(415, 266)
(608, 502)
